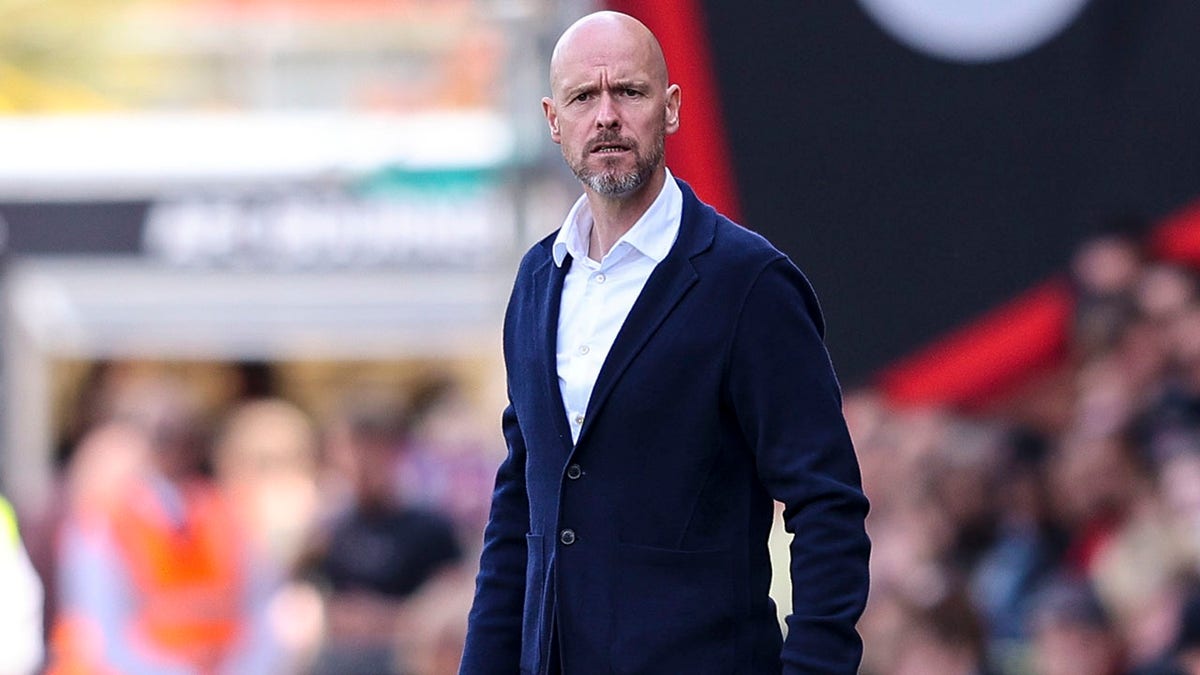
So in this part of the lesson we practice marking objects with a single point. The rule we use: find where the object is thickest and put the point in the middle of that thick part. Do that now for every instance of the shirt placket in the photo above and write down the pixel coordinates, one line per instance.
(587, 314)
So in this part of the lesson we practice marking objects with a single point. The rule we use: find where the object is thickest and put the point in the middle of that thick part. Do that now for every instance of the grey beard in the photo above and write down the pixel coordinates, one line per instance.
(613, 185)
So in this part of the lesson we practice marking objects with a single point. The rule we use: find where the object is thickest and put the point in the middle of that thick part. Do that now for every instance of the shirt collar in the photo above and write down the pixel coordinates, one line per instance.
(652, 235)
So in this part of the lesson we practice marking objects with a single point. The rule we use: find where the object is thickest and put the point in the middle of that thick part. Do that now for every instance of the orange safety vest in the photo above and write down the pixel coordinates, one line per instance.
(187, 578)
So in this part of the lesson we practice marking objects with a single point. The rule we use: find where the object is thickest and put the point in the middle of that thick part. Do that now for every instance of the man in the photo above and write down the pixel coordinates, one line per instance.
(667, 379)
(380, 553)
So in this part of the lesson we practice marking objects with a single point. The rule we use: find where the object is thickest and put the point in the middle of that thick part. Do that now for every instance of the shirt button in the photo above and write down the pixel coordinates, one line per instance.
(584, 349)
(600, 278)
(579, 418)
(567, 537)
(574, 472)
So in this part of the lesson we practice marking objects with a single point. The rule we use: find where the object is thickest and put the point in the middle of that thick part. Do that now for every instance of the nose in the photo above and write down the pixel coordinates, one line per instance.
(606, 112)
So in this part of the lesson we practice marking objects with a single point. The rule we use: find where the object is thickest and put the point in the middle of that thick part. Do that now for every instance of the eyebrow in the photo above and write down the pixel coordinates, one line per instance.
(589, 87)
(630, 84)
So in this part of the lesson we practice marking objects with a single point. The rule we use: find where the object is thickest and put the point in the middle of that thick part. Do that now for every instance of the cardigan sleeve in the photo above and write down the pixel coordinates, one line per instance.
(788, 404)
(494, 626)
(493, 632)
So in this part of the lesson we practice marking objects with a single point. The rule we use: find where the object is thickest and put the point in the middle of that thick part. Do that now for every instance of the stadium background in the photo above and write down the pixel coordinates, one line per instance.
(308, 200)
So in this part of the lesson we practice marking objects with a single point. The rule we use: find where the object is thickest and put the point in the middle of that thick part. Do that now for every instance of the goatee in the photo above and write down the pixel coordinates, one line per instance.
(613, 183)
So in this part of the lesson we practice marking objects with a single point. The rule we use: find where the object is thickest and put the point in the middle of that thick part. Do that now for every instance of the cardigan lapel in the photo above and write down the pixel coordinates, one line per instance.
(548, 291)
(666, 286)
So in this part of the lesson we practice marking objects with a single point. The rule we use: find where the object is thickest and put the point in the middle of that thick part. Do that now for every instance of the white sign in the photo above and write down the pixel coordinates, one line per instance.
(453, 229)
(973, 30)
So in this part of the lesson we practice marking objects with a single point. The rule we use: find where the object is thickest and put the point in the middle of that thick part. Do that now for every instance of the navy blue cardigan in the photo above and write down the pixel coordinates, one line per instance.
(645, 542)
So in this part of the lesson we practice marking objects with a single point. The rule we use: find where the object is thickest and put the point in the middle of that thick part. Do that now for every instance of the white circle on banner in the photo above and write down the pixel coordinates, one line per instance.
(973, 30)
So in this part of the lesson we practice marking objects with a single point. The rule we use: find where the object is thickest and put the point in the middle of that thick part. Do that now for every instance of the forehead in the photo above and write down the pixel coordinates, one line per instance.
(604, 49)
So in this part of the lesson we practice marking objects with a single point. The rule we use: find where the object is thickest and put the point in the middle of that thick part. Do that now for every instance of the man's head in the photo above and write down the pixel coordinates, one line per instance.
(611, 105)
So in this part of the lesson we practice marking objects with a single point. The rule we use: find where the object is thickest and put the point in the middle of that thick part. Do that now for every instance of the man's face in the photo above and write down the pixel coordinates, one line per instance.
(611, 108)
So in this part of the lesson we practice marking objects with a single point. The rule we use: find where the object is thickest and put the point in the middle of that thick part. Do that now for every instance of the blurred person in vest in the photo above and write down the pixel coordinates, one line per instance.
(667, 379)
(21, 608)
(154, 573)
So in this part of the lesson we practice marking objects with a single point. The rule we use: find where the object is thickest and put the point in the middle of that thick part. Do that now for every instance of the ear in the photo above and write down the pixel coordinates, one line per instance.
(672, 112)
(551, 114)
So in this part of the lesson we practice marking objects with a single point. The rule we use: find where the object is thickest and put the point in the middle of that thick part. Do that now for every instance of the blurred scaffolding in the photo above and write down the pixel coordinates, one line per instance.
(272, 180)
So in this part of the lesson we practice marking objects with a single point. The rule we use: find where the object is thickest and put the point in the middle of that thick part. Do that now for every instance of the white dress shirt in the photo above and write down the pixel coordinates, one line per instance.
(597, 296)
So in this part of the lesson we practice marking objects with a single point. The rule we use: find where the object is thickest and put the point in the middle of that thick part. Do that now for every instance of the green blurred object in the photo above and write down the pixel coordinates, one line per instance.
(396, 180)
(8, 522)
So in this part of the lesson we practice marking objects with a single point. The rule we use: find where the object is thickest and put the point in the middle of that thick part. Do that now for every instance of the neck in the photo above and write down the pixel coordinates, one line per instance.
(614, 215)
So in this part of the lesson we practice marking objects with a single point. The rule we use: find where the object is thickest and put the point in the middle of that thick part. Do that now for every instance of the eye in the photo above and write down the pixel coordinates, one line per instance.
(630, 92)
(582, 96)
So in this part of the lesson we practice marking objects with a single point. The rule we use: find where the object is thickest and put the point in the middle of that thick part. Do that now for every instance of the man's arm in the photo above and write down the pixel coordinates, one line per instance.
(788, 403)
(494, 626)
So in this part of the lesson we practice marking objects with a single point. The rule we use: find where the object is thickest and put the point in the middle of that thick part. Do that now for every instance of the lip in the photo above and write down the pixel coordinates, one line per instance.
(609, 148)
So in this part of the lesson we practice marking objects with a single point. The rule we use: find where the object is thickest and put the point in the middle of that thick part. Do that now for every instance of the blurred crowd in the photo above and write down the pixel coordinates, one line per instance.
(258, 537)
(1057, 531)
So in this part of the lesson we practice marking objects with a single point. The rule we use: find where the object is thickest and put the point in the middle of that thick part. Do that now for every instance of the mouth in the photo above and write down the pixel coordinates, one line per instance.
(609, 148)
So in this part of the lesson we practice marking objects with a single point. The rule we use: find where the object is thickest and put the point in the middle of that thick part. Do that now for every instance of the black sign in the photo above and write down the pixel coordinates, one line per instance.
(103, 228)
(918, 191)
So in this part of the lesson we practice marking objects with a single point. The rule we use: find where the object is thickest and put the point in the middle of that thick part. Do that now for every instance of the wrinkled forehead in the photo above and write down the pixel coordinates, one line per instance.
(610, 49)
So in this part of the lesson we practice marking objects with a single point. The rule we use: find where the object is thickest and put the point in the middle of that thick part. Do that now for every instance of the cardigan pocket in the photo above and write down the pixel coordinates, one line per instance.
(674, 612)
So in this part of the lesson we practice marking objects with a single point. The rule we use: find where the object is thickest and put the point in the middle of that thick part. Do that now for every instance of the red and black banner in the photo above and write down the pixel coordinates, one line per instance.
(924, 168)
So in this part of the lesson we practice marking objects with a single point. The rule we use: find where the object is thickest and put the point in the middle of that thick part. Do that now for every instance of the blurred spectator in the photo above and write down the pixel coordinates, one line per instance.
(265, 462)
(21, 610)
(449, 462)
(1095, 484)
(1179, 481)
(946, 638)
(1027, 546)
(265, 459)
(377, 554)
(154, 570)
(1186, 648)
(1072, 634)
(1105, 270)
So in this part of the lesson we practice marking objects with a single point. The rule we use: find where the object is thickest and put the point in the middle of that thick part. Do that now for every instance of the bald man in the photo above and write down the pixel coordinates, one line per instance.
(667, 380)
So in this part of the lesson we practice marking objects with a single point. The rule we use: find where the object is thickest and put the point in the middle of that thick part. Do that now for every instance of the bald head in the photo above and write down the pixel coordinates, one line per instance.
(599, 38)
(610, 105)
